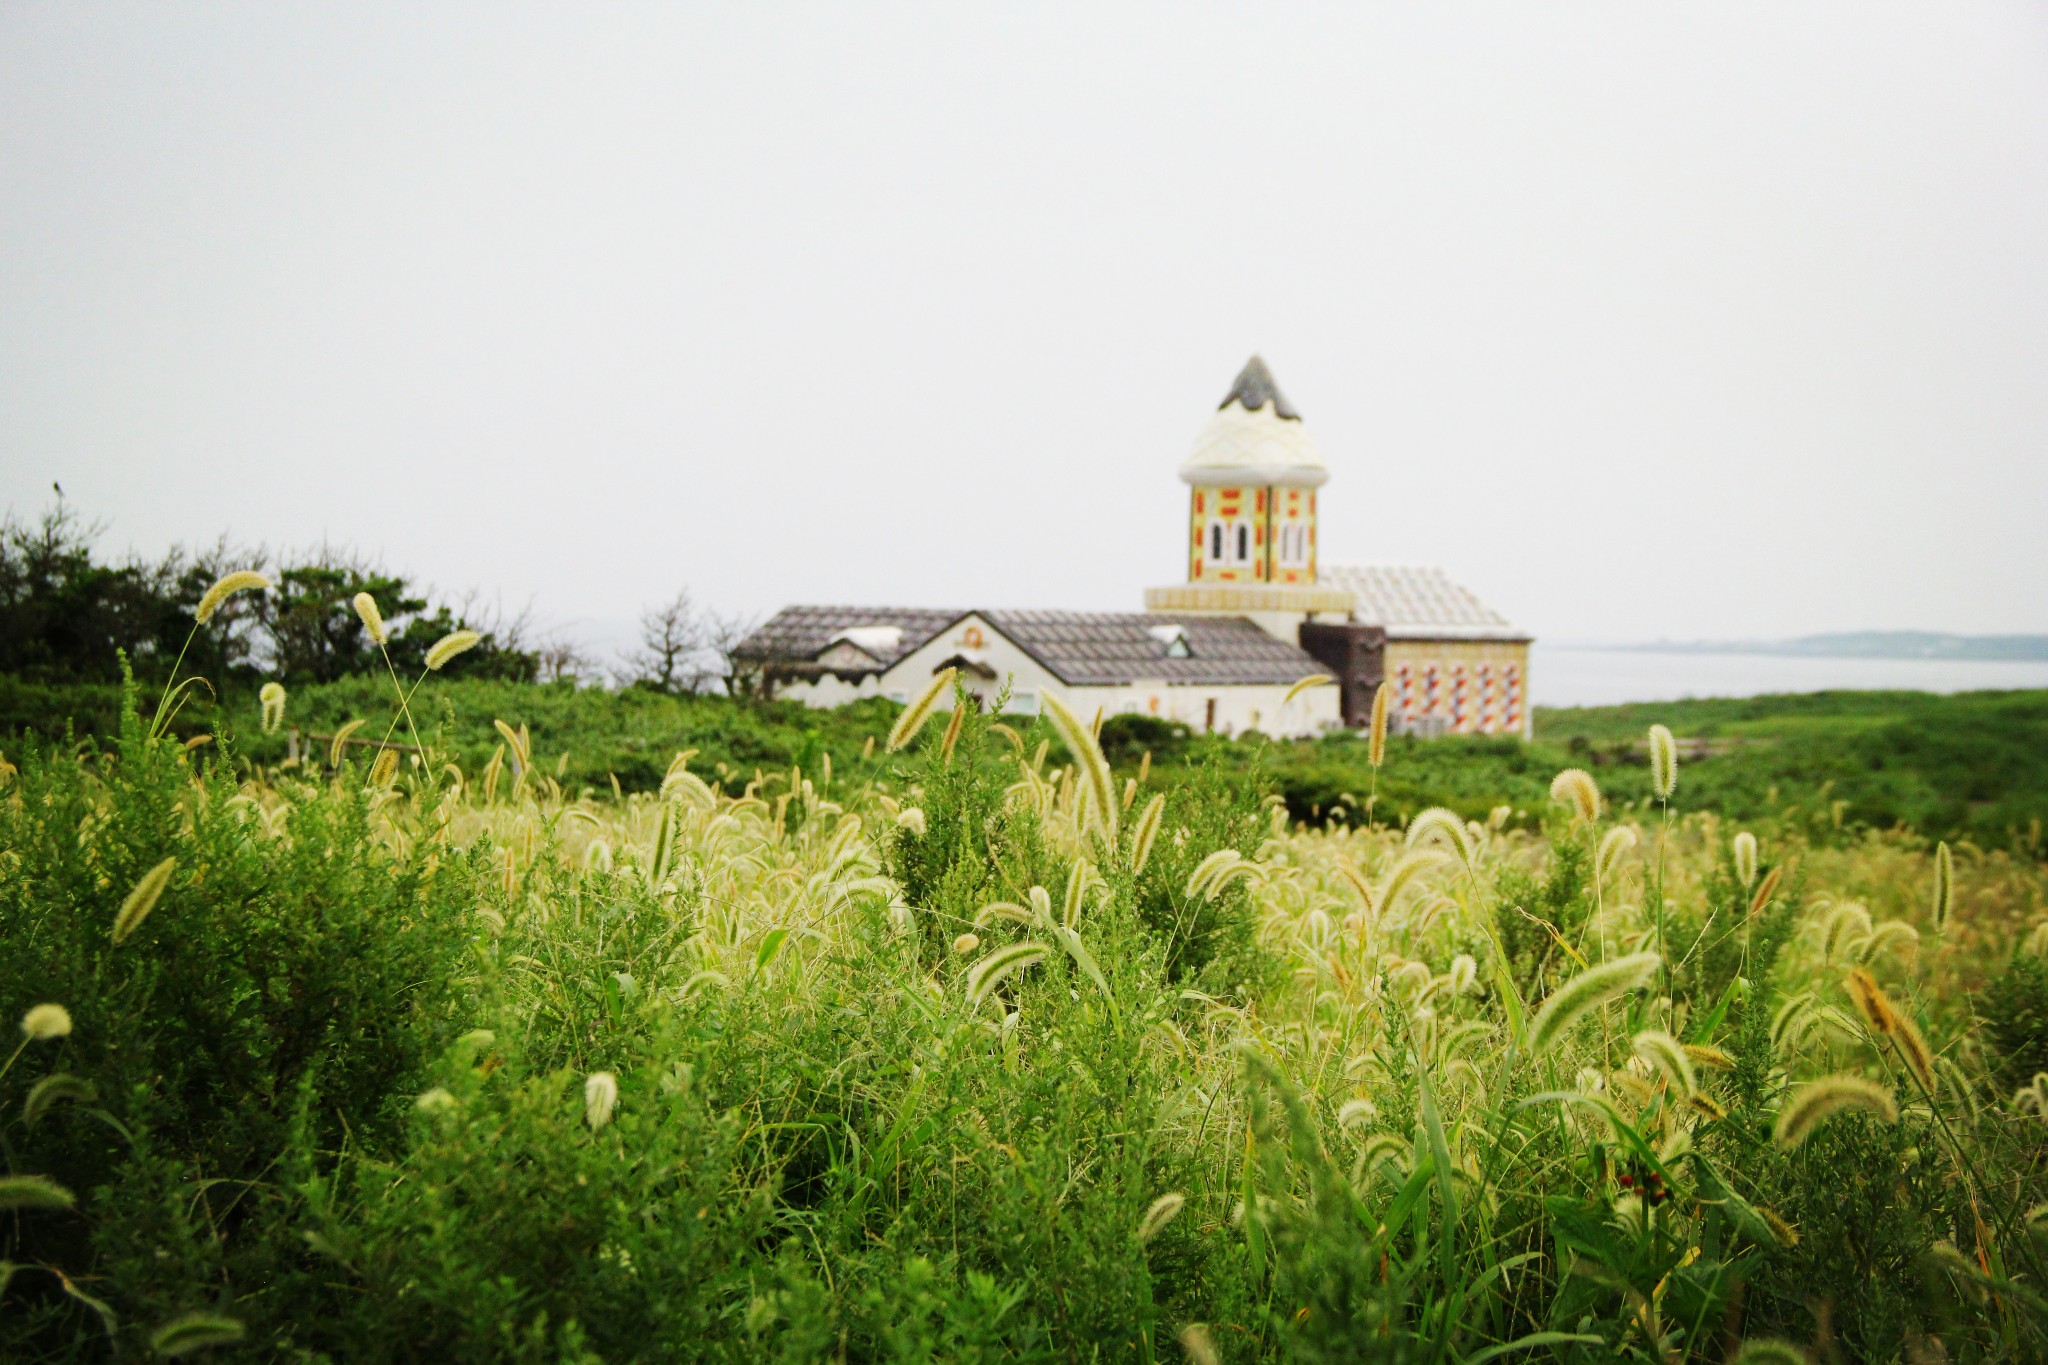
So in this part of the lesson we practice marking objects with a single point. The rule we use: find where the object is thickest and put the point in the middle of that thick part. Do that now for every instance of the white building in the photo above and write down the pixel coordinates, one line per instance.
(1219, 652)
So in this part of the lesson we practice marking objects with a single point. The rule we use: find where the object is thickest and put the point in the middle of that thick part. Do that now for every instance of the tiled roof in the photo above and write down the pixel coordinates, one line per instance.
(1080, 648)
(1106, 649)
(1413, 601)
(797, 634)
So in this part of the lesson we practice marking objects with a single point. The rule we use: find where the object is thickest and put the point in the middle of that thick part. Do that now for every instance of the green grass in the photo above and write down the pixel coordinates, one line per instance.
(331, 1094)
(1953, 767)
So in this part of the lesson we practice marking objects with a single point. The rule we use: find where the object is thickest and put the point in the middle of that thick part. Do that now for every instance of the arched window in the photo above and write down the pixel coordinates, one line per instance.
(1244, 542)
(1216, 541)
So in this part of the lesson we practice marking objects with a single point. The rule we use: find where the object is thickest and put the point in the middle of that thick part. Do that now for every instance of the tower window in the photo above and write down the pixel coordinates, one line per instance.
(1291, 544)
(1216, 541)
(1244, 543)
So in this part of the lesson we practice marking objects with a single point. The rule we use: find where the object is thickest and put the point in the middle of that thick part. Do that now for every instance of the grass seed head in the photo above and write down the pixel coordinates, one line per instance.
(1146, 831)
(271, 695)
(1614, 846)
(1664, 1052)
(1745, 858)
(1587, 991)
(20, 1193)
(372, 619)
(1944, 886)
(1888, 1021)
(46, 1023)
(448, 646)
(966, 943)
(1766, 890)
(1814, 1103)
(193, 1332)
(135, 909)
(384, 771)
(919, 711)
(1663, 762)
(1576, 788)
(1164, 1210)
(1376, 728)
(600, 1098)
(242, 580)
(1312, 680)
(1196, 1345)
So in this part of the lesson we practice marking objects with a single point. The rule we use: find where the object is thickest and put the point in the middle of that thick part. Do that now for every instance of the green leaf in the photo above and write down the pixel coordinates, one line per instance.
(771, 944)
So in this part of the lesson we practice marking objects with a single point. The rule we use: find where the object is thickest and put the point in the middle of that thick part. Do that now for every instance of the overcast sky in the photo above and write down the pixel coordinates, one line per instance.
(1644, 321)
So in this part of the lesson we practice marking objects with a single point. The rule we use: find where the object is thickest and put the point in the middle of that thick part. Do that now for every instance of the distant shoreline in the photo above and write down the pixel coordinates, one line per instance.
(1904, 645)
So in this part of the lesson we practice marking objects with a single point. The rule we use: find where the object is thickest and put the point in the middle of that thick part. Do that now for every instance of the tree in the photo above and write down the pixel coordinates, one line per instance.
(685, 649)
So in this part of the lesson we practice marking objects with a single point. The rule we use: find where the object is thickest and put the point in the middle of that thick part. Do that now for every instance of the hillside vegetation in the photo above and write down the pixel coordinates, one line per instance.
(983, 1050)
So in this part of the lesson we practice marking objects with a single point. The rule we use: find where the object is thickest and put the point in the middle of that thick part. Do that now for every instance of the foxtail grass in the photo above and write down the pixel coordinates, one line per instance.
(140, 901)
(448, 646)
(1663, 762)
(1094, 767)
(1944, 887)
(920, 710)
(1814, 1103)
(1575, 787)
(1585, 992)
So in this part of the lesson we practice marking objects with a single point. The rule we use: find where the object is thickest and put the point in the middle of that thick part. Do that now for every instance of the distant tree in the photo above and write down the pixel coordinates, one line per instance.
(684, 649)
(65, 616)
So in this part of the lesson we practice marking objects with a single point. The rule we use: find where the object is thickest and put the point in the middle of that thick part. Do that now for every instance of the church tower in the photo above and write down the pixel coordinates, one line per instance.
(1252, 538)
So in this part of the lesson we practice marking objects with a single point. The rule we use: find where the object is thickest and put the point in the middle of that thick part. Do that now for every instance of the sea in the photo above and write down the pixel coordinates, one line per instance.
(1588, 675)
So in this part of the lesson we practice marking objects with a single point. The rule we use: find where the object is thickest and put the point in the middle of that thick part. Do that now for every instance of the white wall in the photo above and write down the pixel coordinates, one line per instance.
(1239, 707)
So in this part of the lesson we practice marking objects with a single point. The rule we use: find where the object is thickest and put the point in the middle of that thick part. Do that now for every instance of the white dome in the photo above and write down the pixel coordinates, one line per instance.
(1255, 438)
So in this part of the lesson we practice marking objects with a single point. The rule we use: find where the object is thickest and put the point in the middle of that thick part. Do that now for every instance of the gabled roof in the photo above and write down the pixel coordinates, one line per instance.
(1080, 648)
(798, 635)
(1416, 602)
(1108, 649)
(1256, 437)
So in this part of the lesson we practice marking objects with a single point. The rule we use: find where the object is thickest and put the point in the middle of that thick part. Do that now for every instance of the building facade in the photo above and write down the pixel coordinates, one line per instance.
(1258, 613)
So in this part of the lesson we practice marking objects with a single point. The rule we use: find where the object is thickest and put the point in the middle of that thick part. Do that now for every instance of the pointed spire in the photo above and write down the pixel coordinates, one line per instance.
(1255, 388)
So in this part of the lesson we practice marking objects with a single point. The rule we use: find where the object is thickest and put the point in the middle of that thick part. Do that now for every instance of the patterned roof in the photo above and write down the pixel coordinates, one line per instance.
(1110, 648)
(1416, 601)
(799, 634)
